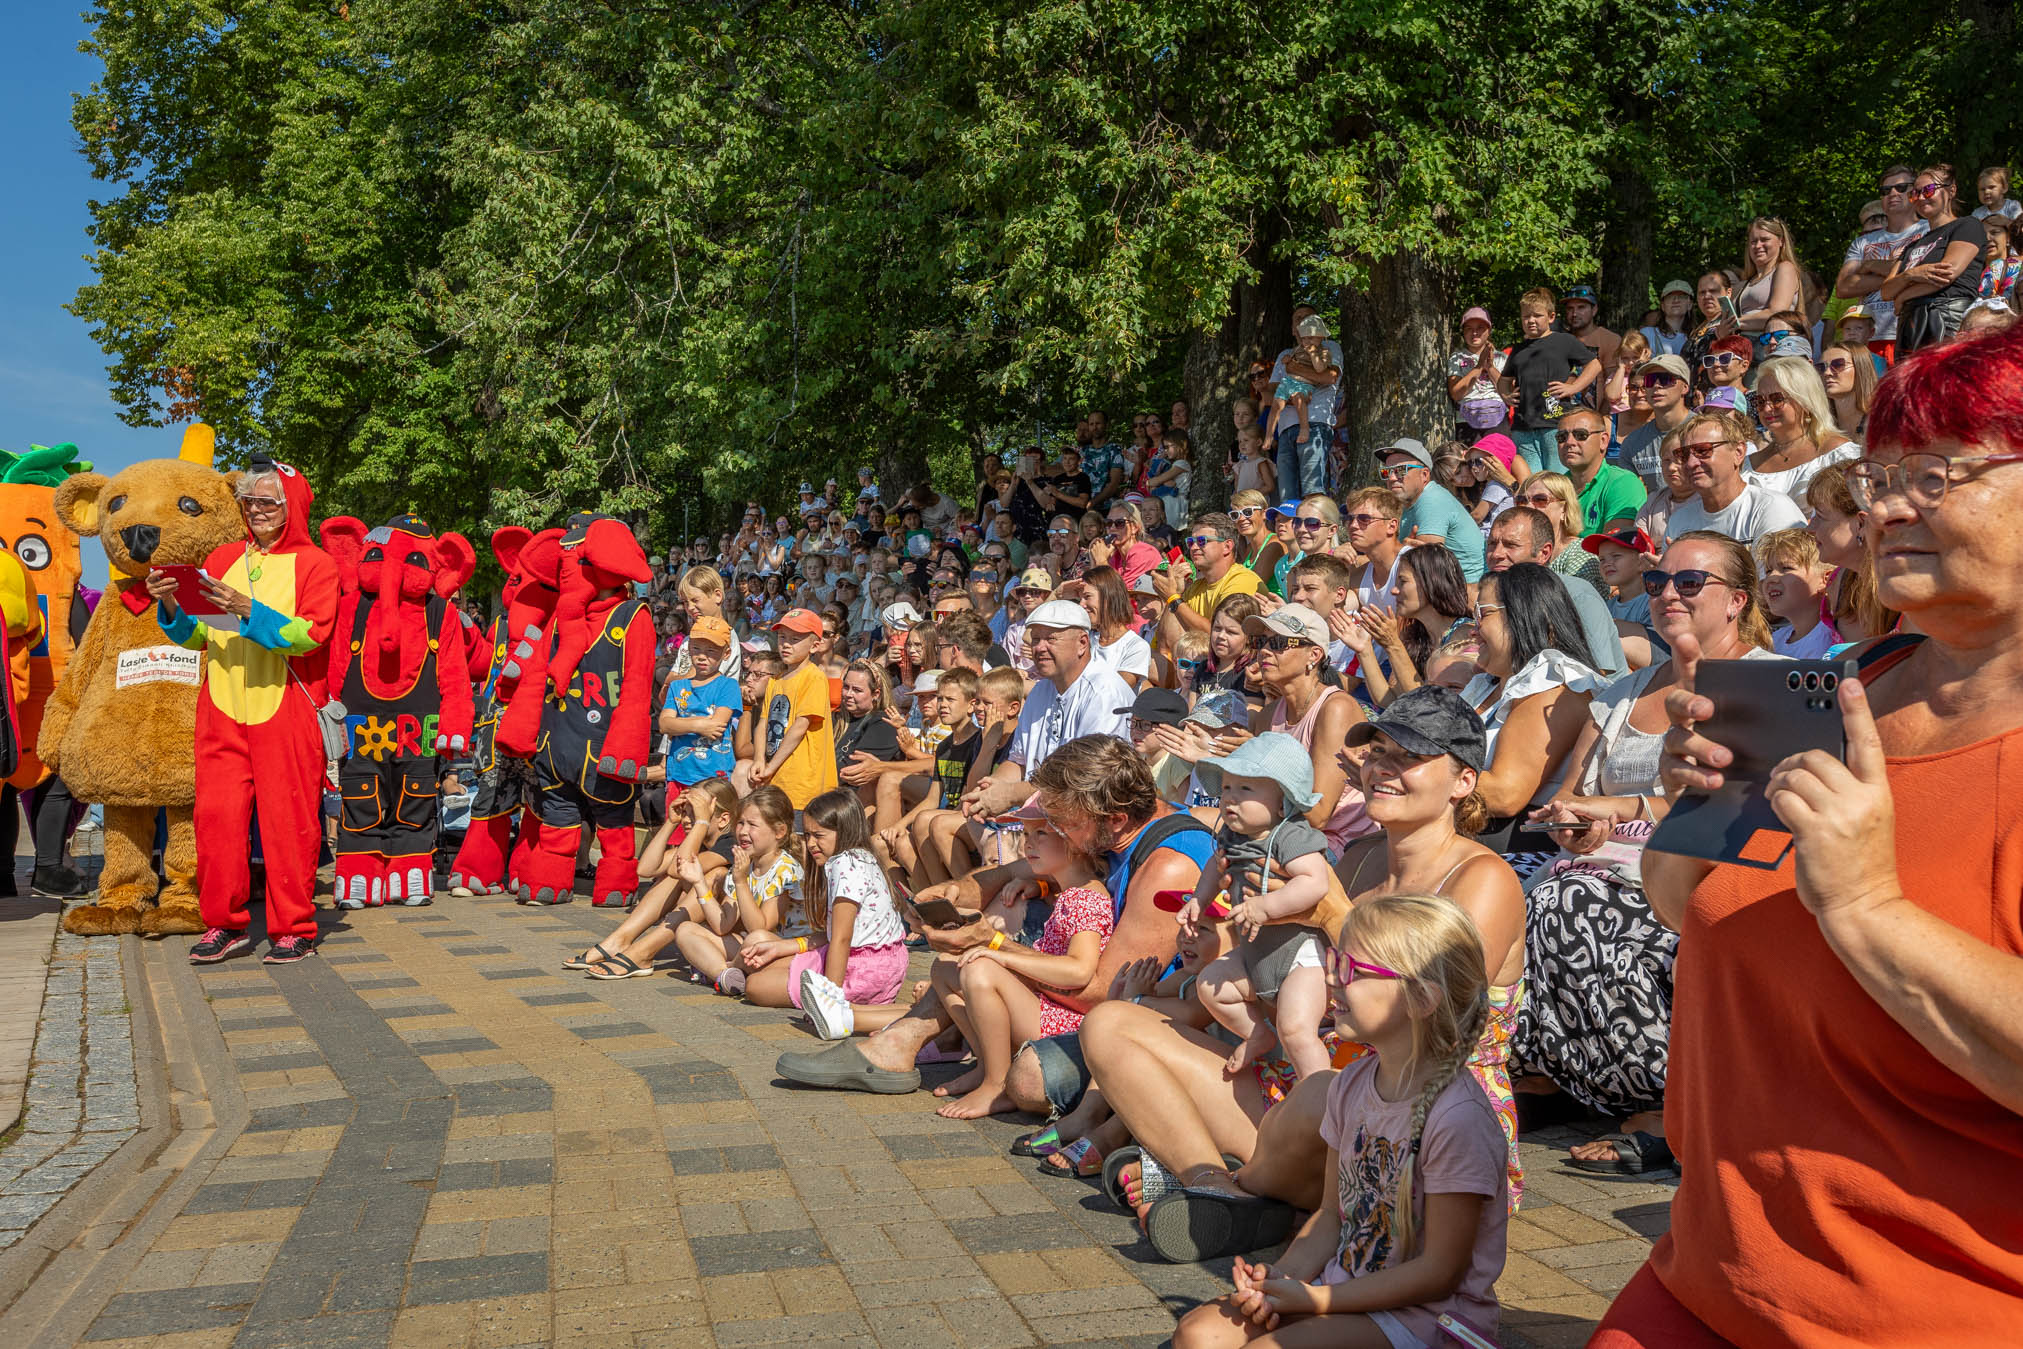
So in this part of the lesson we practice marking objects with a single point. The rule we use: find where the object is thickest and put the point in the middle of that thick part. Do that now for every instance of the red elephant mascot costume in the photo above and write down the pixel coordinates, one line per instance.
(399, 666)
(505, 784)
(595, 692)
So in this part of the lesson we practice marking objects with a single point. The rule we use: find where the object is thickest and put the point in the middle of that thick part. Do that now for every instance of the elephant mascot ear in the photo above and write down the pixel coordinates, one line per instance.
(344, 540)
(507, 541)
(456, 560)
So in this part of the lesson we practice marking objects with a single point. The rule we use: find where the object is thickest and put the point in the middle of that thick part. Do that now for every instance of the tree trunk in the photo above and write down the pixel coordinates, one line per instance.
(1217, 368)
(1626, 250)
(1395, 336)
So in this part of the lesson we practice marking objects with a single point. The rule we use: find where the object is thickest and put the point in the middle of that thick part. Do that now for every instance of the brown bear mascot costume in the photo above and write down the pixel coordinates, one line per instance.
(120, 726)
(399, 667)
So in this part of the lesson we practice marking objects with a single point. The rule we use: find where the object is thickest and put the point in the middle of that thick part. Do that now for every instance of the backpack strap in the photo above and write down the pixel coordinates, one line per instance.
(1159, 831)
(1885, 654)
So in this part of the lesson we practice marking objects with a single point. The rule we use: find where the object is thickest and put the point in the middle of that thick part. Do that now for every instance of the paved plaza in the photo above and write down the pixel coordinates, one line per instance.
(431, 1135)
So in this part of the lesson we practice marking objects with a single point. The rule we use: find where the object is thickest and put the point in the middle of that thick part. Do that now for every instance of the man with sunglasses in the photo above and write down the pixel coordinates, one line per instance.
(1713, 448)
(1432, 515)
(1210, 574)
(1607, 493)
(1873, 256)
(1666, 383)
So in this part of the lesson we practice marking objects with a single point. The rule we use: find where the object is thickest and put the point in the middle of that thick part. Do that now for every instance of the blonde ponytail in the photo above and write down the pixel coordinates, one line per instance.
(1433, 943)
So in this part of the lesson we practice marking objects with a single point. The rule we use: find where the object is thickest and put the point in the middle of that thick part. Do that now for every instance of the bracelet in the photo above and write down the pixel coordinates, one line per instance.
(801, 944)
(996, 941)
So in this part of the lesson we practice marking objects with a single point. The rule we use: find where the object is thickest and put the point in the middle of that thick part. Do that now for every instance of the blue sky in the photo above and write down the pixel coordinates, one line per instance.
(53, 385)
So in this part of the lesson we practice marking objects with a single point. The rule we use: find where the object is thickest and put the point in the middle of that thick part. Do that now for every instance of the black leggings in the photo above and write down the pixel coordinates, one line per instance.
(51, 829)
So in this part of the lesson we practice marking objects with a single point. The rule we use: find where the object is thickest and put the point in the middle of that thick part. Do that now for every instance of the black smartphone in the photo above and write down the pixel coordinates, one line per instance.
(939, 913)
(1765, 711)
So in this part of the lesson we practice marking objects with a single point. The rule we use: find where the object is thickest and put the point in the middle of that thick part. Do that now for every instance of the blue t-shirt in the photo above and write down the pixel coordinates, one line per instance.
(1437, 512)
(1196, 845)
(691, 758)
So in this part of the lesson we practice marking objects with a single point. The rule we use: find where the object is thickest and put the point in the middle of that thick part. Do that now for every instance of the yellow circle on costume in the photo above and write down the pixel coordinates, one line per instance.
(616, 635)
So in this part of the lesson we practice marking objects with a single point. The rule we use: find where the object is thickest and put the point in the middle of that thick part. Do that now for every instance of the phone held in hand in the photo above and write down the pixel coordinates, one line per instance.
(1765, 711)
(190, 597)
(939, 913)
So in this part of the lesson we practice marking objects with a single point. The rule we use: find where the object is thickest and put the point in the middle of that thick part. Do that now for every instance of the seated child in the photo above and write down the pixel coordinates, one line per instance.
(847, 983)
(686, 857)
(1414, 1148)
(954, 704)
(760, 898)
(1266, 787)
(1794, 589)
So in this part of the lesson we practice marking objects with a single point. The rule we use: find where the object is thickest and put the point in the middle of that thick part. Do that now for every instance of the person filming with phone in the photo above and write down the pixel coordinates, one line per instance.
(1845, 1089)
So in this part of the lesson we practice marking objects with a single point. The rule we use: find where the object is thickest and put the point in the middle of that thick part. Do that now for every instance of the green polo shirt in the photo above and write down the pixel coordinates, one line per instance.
(1613, 494)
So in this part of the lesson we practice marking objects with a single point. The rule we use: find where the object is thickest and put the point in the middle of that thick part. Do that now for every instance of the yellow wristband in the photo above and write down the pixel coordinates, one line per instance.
(996, 940)
(801, 943)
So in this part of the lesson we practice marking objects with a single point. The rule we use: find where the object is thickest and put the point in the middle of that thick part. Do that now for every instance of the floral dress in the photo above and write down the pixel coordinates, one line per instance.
(1082, 909)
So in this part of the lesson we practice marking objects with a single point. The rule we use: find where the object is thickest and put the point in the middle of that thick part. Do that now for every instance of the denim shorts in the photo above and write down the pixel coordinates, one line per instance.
(1064, 1073)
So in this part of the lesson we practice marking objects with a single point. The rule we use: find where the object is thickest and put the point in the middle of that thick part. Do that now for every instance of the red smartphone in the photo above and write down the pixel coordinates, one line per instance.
(189, 592)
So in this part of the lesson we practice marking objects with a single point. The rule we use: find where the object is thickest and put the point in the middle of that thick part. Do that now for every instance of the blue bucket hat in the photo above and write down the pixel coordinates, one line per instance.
(1274, 756)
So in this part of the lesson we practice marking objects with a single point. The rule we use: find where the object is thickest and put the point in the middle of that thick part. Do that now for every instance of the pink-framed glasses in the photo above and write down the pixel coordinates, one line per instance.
(1346, 968)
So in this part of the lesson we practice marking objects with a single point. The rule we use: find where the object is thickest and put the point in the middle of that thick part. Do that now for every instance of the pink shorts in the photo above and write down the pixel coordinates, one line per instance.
(873, 975)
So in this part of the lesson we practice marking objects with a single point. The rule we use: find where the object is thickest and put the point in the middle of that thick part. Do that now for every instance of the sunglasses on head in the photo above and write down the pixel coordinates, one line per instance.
(1689, 582)
(1875, 222)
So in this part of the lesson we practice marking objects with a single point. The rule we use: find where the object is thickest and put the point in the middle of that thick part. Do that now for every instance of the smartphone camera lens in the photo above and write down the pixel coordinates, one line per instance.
(1812, 681)
(1792, 681)
(1829, 682)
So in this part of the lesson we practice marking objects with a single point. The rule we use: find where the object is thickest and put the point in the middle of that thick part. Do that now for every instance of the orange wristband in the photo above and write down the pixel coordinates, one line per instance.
(996, 940)
(801, 943)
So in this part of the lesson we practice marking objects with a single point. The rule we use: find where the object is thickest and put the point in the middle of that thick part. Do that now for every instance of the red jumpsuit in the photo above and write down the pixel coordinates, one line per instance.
(258, 744)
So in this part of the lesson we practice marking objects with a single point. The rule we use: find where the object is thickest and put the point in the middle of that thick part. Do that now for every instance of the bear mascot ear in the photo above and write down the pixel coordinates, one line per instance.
(456, 560)
(507, 541)
(344, 540)
(77, 503)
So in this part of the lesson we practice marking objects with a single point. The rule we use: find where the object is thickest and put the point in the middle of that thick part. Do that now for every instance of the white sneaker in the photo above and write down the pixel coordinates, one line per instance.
(826, 1007)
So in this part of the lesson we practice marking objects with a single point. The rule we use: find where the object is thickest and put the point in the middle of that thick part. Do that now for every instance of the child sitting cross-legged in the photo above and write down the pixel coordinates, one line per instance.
(686, 857)
(1418, 1227)
(848, 981)
(1275, 975)
(1002, 995)
(759, 899)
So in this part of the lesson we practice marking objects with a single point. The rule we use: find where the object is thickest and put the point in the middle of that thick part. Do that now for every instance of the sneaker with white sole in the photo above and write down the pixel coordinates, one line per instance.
(288, 950)
(826, 1007)
(219, 943)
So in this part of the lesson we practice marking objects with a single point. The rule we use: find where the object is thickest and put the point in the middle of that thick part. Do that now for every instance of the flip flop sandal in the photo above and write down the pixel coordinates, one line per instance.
(1636, 1155)
(1191, 1226)
(1084, 1162)
(1113, 1168)
(581, 963)
(933, 1053)
(627, 968)
(1039, 1143)
(1155, 1182)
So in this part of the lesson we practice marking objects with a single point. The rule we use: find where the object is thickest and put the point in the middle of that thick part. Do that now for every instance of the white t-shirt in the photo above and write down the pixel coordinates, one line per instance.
(854, 876)
(2010, 207)
(1756, 512)
(1051, 718)
(1793, 481)
(1130, 654)
(1872, 247)
(1813, 646)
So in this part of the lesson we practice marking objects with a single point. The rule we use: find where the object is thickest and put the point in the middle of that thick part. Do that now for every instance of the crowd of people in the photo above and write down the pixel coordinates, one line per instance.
(1289, 859)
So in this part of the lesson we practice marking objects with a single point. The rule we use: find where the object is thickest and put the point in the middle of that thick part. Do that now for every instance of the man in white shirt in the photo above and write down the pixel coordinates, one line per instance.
(1713, 448)
(1873, 256)
(1303, 469)
(1073, 695)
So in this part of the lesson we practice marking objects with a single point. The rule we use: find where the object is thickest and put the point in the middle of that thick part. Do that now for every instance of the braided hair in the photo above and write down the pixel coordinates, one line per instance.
(1433, 943)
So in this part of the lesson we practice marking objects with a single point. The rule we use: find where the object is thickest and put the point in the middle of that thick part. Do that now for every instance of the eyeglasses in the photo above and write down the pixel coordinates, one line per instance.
(1767, 401)
(1279, 641)
(1364, 521)
(262, 503)
(1833, 367)
(1719, 360)
(1703, 450)
(1923, 478)
(1581, 436)
(1538, 499)
(1199, 540)
(1689, 582)
(1346, 968)
(1308, 522)
(1928, 191)
(1481, 610)
(1658, 379)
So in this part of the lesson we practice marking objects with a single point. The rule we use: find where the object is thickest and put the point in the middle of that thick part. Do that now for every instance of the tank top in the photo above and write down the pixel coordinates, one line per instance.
(1349, 820)
(1379, 596)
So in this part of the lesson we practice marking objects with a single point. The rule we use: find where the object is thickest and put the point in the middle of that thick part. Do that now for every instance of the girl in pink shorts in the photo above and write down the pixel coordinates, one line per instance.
(863, 962)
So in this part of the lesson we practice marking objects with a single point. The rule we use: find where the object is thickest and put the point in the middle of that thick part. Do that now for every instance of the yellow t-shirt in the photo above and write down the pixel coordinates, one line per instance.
(811, 769)
(1202, 595)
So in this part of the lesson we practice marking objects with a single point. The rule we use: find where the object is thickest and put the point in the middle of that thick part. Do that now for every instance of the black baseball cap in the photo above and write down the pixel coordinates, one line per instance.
(1429, 720)
(1162, 707)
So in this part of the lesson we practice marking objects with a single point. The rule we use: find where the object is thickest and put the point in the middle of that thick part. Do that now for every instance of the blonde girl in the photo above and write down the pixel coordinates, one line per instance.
(1417, 1229)
(846, 983)
(760, 898)
(681, 871)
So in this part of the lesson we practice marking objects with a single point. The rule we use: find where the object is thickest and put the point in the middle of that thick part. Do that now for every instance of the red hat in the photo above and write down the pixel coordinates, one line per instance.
(1623, 536)
(799, 620)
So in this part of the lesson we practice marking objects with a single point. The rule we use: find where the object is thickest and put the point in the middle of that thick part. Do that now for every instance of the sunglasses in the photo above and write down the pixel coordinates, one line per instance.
(1688, 583)
(1704, 450)
(1199, 540)
(1538, 499)
(1364, 521)
(1928, 191)
(1309, 521)
(262, 503)
(1346, 969)
(1581, 437)
(1833, 367)
(1720, 360)
(1057, 533)
(1279, 641)
(1658, 379)
(1241, 513)
(1767, 401)
(1898, 187)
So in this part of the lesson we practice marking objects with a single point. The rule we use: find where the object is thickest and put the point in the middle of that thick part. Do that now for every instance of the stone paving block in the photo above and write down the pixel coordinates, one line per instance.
(166, 1269)
(241, 1262)
(167, 1310)
(1022, 1232)
(289, 1193)
(564, 999)
(610, 1030)
(480, 1277)
(514, 972)
(364, 1330)
(953, 1143)
(754, 1252)
(464, 1044)
(714, 1161)
(809, 1328)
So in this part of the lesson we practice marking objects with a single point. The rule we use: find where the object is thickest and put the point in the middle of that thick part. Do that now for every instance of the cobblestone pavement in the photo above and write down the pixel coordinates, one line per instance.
(431, 1135)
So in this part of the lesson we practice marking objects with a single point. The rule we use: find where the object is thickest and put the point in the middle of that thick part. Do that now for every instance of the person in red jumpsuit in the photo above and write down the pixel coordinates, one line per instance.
(258, 742)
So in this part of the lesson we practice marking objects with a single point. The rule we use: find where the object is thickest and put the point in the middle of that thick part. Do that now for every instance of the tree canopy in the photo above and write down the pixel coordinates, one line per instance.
(495, 262)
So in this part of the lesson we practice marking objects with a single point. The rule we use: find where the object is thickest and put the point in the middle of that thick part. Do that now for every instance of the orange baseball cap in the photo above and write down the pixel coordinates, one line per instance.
(799, 620)
(711, 629)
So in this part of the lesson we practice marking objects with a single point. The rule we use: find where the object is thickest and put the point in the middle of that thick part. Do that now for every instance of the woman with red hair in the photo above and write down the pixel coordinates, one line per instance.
(1846, 1081)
